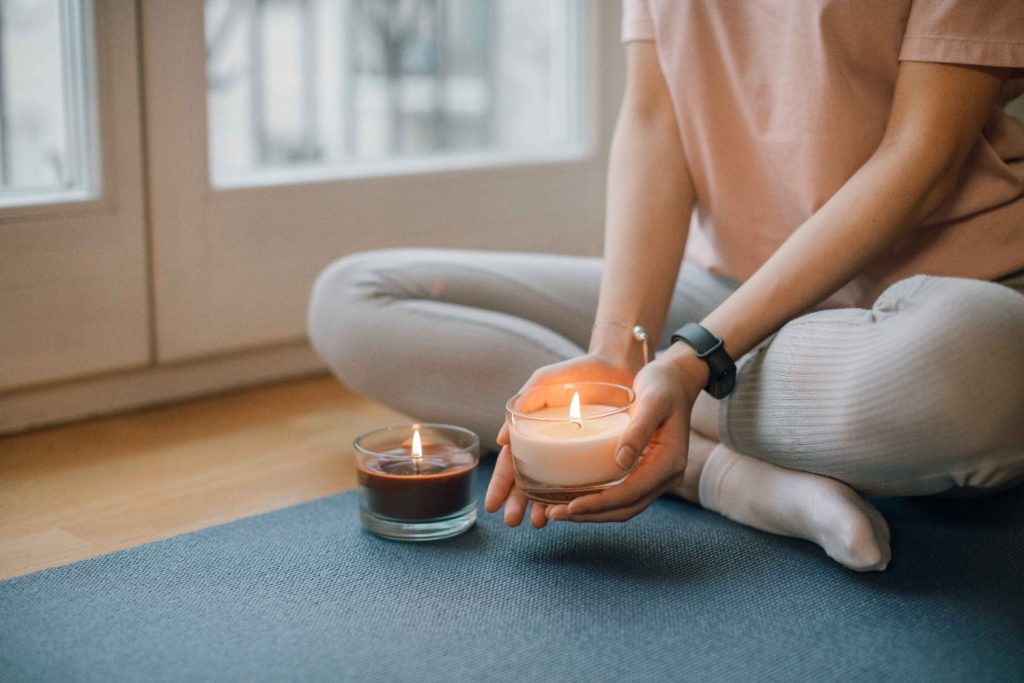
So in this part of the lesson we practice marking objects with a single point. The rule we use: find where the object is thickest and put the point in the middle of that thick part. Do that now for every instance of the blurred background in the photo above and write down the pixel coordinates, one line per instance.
(300, 85)
(173, 175)
(47, 97)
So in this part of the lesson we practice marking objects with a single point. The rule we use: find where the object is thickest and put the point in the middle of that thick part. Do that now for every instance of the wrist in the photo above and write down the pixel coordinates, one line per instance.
(628, 359)
(619, 344)
(693, 373)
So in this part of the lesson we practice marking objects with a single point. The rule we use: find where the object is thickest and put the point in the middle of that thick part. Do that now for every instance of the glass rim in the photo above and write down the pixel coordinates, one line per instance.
(408, 427)
(530, 416)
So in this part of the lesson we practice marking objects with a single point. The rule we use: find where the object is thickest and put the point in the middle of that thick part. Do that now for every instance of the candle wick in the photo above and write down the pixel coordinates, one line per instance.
(578, 423)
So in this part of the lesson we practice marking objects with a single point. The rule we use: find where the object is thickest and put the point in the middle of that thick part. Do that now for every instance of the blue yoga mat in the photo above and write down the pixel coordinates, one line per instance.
(678, 593)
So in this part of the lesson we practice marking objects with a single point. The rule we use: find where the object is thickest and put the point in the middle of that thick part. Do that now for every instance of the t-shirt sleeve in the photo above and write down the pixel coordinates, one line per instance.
(636, 21)
(979, 32)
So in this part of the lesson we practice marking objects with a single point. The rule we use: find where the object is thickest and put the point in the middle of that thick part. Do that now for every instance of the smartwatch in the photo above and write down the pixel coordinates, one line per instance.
(711, 350)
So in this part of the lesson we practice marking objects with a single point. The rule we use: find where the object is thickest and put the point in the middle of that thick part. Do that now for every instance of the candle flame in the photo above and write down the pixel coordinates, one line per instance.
(575, 415)
(417, 446)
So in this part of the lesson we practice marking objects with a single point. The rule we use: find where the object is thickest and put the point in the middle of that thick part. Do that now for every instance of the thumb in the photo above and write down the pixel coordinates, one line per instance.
(651, 411)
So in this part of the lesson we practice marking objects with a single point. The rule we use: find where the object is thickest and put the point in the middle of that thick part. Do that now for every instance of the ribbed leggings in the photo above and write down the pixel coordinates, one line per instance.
(919, 394)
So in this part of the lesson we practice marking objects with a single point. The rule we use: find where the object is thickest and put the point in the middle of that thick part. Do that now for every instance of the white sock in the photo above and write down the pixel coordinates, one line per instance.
(798, 504)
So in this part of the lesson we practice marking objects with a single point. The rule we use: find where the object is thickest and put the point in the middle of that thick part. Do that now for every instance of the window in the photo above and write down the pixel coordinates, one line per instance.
(301, 88)
(47, 102)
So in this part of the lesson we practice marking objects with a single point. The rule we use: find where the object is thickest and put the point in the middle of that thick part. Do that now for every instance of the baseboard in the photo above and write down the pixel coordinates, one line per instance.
(153, 386)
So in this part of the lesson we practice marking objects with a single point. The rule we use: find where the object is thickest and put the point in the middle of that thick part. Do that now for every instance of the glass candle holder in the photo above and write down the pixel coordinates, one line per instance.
(416, 481)
(563, 438)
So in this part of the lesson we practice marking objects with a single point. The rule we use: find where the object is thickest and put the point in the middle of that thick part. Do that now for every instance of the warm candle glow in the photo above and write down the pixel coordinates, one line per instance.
(417, 449)
(417, 446)
(575, 415)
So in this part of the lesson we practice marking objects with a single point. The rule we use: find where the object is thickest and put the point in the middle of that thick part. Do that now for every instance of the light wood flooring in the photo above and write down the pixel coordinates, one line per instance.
(86, 489)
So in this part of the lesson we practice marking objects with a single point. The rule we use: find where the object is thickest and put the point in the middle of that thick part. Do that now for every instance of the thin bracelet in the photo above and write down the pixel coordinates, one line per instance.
(638, 332)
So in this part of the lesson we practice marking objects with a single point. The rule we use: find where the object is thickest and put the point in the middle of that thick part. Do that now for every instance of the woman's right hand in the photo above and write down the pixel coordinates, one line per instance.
(502, 489)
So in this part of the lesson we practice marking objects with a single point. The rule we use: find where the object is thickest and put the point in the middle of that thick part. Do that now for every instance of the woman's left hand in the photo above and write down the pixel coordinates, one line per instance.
(659, 433)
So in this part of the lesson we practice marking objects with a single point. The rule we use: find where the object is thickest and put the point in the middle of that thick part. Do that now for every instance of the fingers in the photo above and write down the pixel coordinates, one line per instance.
(503, 435)
(502, 482)
(502, 491)
(665, 461)
(538, 515)
(622, 514)
(652, 410)
(635, 489)
(515, 508)
(617, 515)
(532, 400)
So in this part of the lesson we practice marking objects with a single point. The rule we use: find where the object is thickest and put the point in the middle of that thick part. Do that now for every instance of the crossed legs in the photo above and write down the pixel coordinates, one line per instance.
(447, 335)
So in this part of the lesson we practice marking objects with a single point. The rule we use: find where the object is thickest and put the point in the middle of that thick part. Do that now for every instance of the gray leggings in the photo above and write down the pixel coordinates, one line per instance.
(920, 394)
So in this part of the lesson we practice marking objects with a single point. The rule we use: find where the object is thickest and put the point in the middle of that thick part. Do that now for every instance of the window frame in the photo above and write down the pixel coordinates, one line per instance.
(74, 279)
(581, 149)
(214, 248)
(87, 116)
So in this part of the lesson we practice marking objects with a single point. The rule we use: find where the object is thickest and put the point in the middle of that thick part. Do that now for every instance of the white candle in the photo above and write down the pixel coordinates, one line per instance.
(563, 452)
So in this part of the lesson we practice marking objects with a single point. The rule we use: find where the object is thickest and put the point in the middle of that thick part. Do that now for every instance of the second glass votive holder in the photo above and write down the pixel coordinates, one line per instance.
(416, 481)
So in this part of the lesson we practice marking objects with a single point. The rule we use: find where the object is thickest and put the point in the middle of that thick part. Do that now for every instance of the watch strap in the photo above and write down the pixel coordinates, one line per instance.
(711, 350)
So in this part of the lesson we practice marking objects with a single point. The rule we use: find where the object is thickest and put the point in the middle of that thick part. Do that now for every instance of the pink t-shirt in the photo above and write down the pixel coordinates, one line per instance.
(779, 102)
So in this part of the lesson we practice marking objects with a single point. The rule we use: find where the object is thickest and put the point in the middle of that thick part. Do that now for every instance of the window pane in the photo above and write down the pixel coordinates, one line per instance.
(47, 100)
(301, 85)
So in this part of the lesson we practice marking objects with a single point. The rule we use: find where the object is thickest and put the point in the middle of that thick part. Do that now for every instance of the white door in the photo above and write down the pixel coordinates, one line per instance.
(285, 133)
(74, 290)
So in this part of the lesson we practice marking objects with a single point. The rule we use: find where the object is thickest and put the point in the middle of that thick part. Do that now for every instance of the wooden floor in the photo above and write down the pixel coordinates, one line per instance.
(87, 489)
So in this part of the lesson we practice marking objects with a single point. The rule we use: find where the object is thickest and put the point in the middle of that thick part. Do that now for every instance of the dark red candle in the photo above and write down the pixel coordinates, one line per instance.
(416, 481)
(403, 490)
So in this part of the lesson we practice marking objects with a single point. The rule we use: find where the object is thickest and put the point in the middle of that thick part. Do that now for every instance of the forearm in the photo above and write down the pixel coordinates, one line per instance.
(937, 113)
(885, 200)
(648, 210)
